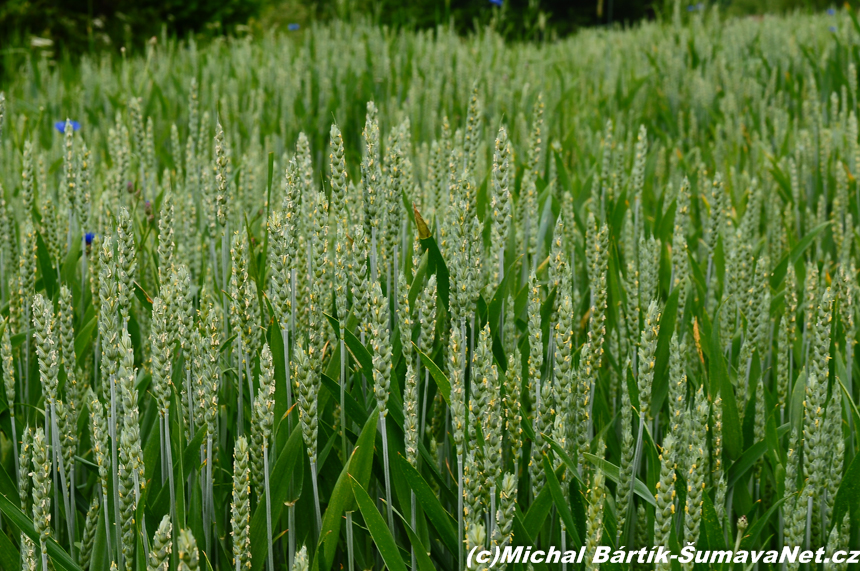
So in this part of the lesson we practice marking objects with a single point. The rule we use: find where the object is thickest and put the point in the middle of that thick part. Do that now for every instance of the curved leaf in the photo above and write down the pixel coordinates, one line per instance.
(360, 352)
(9, 560)
(442, 382)
(539, 510)
(421, 554)
(496, 306)
(436, 265)
(745, 462)
(560, 503)
(667, 328)
(733, 440)
(58, 555)
(848, 495)
(441, 520)
(563, 456)
(279, 490)
(611, 471)
(521, 533)
(755, 530)
(341, 499)
(795, 254)
(378, 528)
(712, 532)
(853, 407)
(46, 265)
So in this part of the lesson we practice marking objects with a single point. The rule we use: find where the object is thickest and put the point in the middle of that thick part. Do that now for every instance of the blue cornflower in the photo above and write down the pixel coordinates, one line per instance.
(690, 8)
(832, 29)
(89, 237)
(496, 2)
(293, 27)
(61, 126)
(831, 11)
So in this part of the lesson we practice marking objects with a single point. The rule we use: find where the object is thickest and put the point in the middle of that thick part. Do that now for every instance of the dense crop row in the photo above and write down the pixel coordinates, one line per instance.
(599, 292)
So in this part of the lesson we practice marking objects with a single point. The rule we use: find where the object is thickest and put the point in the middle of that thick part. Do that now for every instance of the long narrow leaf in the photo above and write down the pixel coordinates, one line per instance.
(379, 531)
(560, 502)
(287, 461)
(341, 498)
(747, 460)
(445, 525)
(611, 471)
(442, 382)
(58, 555)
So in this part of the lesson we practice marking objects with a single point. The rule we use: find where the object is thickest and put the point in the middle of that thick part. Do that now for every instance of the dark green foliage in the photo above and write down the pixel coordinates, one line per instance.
(83, 24)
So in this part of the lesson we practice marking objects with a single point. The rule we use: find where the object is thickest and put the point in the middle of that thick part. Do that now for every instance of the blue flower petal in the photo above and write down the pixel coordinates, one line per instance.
(61, 125)
(293, 27)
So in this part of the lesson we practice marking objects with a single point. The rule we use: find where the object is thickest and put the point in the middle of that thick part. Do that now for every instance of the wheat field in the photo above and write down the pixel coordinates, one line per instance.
(359, 298)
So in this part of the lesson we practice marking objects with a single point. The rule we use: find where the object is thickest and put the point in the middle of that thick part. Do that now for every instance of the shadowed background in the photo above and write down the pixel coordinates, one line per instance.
(77, 25)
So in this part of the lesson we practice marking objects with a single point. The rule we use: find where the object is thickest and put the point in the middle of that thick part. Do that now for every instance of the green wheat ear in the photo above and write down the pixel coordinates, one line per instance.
(624, 490)
(301, 563)
(505, 515)
(159, 554)
(127, 500)
(27, 175)
(240, 519)
(28, 555)
(66, 340)
(338, 170)
(189, 559)
(697, 426)
(647, 358)
(161, 359)
(458, 391)
(491, 412)
(513, 412)
(126, 262)
(46, 346)
(90, 529)
(665, 496)
(306, 391)
(410, 416)
(7, 369)
(500, 200)
(537, 389)
(380, 342)
(594, 517)
(473, 508)
(42, 486)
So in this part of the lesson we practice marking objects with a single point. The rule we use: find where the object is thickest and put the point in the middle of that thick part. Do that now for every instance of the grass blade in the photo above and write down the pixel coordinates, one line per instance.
(379, 531)
(62, 560)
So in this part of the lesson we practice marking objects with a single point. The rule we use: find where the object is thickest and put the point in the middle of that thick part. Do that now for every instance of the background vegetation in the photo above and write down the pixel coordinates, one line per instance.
(79, 25)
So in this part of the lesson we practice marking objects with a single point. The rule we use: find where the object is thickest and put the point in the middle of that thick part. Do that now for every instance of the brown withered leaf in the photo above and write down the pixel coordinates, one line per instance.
(423, 229)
